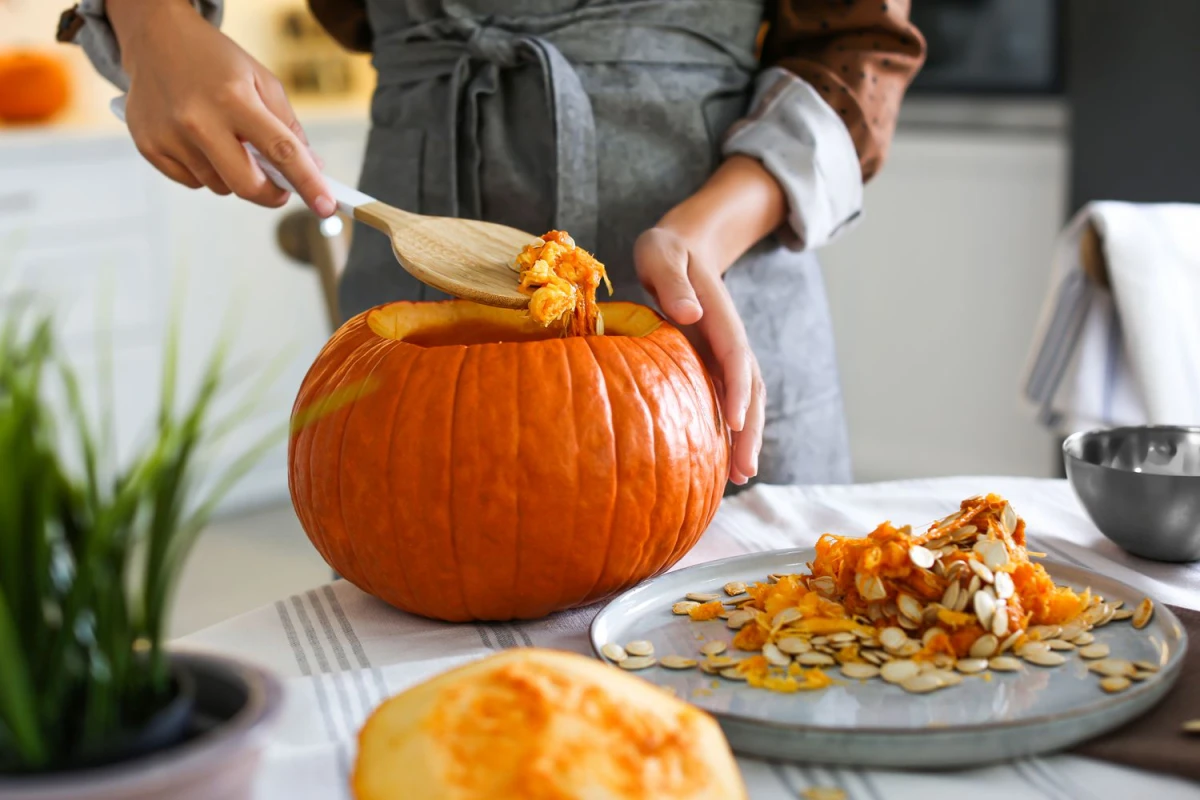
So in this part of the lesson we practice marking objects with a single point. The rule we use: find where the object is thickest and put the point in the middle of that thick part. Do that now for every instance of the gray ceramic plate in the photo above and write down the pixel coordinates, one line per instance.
(872, 723)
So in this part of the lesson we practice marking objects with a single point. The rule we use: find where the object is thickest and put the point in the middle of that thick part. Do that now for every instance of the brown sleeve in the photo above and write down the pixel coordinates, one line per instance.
(860, 55)
(346, 21)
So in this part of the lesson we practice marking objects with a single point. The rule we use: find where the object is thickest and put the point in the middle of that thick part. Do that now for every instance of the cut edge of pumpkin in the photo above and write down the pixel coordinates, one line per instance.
(450, 323)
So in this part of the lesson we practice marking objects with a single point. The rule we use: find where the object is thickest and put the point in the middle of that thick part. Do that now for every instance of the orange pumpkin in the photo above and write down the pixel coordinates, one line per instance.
(33, 86)
(463, 462)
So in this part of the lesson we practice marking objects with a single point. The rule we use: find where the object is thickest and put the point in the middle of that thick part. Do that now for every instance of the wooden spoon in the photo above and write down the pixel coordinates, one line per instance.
(466, 258)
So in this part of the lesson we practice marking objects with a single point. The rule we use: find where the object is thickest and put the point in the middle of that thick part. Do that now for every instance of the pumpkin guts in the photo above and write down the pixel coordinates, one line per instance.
(561, 280)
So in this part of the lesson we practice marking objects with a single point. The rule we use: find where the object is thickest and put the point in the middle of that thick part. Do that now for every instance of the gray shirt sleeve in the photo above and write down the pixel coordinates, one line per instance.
(804, 144)
(98, 41)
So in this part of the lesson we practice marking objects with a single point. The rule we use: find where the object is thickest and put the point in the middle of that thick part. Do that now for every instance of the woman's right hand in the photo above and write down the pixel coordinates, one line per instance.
(195, 96)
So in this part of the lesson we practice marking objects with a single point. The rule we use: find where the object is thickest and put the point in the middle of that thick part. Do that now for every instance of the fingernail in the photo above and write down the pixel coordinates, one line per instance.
(324, 205)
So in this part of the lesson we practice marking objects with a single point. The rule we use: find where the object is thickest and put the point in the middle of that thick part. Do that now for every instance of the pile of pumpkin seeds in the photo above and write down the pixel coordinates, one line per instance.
(980, 586)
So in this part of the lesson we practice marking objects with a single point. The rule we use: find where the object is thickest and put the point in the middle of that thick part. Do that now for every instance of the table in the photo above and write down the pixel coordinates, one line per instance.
(341, 652)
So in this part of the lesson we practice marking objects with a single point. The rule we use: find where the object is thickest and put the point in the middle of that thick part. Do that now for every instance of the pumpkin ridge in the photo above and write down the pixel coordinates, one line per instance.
(570, 403)
(335, 383)
(616, 453)
(372, 350)
(466, 351)
(409, 363)
(643, 556)
(713, 500)
(687, 501)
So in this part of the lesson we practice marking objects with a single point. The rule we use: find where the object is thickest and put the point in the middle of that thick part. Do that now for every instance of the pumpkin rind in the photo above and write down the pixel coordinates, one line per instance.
(510, 480)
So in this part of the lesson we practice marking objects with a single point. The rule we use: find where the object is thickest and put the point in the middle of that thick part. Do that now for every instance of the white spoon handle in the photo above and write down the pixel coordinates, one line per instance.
(347, 198)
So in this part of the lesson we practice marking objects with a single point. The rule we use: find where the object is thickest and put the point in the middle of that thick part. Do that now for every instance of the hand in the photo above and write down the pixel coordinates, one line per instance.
(195, 97)
(683, 277)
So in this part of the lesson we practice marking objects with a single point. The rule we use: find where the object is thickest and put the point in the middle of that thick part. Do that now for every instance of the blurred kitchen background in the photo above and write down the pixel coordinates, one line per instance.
(1026, 110)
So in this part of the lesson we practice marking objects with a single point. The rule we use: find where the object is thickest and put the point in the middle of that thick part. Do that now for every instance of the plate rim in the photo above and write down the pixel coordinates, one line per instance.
(1169, 672)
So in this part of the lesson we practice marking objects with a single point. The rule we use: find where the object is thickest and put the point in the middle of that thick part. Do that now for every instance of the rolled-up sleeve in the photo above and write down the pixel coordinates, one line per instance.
(825, 105)
(92, 31)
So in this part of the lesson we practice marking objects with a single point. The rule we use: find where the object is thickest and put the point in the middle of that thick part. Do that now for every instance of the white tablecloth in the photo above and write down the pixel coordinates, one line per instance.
(342, 652)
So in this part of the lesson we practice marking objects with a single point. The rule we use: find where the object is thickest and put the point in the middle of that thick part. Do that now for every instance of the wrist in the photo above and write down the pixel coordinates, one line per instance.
(739, 205)
(135, 22)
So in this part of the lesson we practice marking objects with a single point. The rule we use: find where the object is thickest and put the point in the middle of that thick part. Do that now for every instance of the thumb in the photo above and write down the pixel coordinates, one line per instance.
(662, 260)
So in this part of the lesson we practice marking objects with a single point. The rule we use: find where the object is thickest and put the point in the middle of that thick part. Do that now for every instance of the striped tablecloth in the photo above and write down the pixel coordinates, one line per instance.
(341, 652)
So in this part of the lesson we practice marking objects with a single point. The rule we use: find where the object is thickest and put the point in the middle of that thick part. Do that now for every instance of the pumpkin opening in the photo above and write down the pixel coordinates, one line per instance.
(463, 323)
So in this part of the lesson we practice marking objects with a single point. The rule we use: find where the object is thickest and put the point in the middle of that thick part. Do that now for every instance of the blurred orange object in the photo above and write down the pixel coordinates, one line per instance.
(34, 86)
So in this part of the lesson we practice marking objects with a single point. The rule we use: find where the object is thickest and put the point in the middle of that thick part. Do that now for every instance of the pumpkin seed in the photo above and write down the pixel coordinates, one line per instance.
(1004, 664)
(677, 662)
(980, 569)
(921, 556)
(909, 648)
(964, 533)
(892, 638)
(908, 624)
(858, 671)
(776, 656)
(1092, 651)
(984, 607)
(943, 661)
(1146, 666)
(639, 647)
(1043, 658)
(1005, 588)
(1124, 613)
(739, 618)
(785, 616)
(1114, 684)
(1112, 667)
(713, 648)
(1000, 619)
(948, 678)
(844, 637)
(1192, 726)
(985, 646)
(974, 586)
(1032, 646)
(735, 588)
(872, 657)
(969, 666)
(721, 662)
(939, 568)
(993, 552)
(930, 634)
(614, 652)
(1139, 675)
(1059, 644)
(817, 641)
(870, 587)
(793, 645)
(684, 606)
(824, 584)
(733, 674)
(950, 596)
(899, 671)
(964, 599)
(922, 683)
(738, 600)
(638, 662)
(910, 607)
(1008, 519)
(813, 659)
(709, 669)
(702, 597)
(1083, 639)
(1143, 613)
(1044, 632)
(1010, 641)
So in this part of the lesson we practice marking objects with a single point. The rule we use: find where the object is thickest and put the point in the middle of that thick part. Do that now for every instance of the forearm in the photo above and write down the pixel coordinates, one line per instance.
(739, 205)
(134, 20)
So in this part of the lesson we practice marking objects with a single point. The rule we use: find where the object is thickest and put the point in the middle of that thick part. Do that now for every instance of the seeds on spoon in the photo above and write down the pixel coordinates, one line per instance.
(899, 671)
(702, 597)
(734, 588)
(970, 666)
(713, 648)
(1112, 667)
(614, 652)
(1059, 644)
(684, 606)
(639, 647)
(1043, 658)
(922, 683)
(1097, 650)
(1146, 666)
(1004, 664)
(1083, 639)
(858, 671)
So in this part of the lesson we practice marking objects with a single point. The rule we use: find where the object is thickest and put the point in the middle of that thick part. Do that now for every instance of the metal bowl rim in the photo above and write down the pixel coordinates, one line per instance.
(1074, 438)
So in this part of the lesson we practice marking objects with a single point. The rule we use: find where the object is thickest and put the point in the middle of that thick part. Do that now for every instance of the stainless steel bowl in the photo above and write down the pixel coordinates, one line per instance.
(1141, 487)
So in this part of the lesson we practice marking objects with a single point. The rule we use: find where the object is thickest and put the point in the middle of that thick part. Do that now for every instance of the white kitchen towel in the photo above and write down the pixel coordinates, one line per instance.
(1129, 355)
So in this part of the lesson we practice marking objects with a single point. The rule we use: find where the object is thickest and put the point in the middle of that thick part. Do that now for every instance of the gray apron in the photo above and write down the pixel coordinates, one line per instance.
(594, 117)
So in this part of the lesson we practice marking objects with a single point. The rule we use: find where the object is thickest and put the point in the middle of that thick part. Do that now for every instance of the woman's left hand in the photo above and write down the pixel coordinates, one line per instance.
(685, 279)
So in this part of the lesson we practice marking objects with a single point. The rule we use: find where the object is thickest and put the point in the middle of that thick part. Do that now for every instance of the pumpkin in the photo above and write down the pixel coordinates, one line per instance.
(537, 724)
(33, 86)
(464, 462)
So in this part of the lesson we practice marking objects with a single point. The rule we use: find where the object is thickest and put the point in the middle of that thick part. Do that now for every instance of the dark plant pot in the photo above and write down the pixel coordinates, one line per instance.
(204, 745)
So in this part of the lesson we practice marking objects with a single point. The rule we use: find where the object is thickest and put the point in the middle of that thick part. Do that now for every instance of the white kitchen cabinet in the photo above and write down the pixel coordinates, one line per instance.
(934, 298)
(81, 213)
